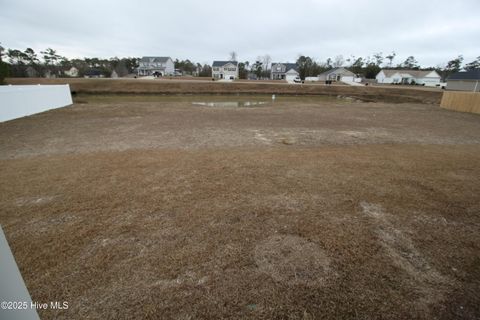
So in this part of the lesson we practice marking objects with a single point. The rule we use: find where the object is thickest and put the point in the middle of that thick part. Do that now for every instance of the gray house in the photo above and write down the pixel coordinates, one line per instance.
(284, 71)
(337, 74)
(465, 81)
(159, 66)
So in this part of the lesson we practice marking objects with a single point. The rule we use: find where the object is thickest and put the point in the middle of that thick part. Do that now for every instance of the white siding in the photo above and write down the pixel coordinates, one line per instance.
(347, 78)
(225, 72)
(169, 67)
(20, 101)
(464, 85)
(291, 74)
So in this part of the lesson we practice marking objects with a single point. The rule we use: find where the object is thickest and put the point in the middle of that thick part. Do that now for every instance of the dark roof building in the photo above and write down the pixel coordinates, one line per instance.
(464, 81)
(93, 73)
(466, 75)
(154, 59)
(222, 63)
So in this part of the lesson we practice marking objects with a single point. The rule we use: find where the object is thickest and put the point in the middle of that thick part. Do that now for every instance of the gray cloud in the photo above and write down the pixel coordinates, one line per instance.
(433, 31)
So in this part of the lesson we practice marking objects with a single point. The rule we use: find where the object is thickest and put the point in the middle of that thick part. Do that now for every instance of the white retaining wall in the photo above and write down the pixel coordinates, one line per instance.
(20, 101)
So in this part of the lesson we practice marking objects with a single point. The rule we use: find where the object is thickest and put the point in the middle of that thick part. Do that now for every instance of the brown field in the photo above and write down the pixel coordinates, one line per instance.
(149, 206)
(392, 94)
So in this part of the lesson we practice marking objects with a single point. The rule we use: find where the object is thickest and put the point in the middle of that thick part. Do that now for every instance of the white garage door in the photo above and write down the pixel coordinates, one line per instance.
(347, 78)
(290, 77)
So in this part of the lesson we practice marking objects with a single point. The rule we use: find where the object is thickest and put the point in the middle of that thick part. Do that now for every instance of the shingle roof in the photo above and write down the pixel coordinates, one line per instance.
(414, 73)
(155, 59)
(288, 66)
(222, 63)
(466, 75)
(93, 72)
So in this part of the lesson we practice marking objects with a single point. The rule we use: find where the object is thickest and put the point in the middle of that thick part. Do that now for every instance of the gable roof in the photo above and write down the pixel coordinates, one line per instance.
(155, 59)
(288, 66)
(290, 71)
(222, 63)
(466, 75)
(414, 73)
(335, 70)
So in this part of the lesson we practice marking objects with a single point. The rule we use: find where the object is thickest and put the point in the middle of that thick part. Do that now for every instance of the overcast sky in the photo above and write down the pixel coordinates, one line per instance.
(434, 31)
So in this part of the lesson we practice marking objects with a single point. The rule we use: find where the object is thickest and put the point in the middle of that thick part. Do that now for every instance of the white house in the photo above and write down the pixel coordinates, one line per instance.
(72, 72)
(225, 70)
(427, 78)
(284, 71)
(337, 74)
(160, 66)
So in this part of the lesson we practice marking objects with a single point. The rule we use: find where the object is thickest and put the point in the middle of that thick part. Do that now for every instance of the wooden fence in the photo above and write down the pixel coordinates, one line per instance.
(461, 101)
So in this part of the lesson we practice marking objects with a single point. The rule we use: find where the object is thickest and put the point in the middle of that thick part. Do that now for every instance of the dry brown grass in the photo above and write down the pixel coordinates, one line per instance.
(169, 215)
(165, 86)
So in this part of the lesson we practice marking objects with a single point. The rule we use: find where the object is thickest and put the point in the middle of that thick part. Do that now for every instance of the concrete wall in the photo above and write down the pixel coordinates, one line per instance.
(20, 101)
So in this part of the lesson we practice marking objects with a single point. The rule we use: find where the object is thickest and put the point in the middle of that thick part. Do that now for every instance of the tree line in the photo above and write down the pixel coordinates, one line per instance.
(48, 63)
(367, 67)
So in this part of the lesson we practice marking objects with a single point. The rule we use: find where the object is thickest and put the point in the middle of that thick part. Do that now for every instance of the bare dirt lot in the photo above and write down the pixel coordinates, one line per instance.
(188, 207)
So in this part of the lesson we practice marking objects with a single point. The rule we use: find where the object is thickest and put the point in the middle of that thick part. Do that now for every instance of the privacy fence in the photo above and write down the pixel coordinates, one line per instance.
(461, 101)
(19, 101)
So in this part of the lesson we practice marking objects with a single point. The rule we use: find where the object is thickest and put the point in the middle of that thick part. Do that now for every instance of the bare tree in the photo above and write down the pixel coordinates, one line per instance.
(339, 61)
(378, 58)
(266, 60)
(390, 58)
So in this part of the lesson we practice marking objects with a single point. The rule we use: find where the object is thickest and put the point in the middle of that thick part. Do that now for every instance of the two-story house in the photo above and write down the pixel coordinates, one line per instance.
(158, 66)
(225, 70)
(284, 71)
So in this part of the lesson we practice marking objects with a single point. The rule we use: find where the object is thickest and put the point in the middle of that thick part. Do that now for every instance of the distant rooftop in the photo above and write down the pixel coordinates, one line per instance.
(414, 73)
(288, 66)
(155, 59)
(222, 63)
(466, 75)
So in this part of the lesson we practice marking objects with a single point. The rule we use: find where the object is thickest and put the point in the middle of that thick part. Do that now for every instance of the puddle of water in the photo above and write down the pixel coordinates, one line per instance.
(231, 104)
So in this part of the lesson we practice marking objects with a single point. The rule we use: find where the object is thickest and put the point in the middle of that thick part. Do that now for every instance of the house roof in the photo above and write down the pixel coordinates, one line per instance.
(414, 73)
(222, 63)
(93, 72)
(334, 70)
(466, 75)
(155, 59)
(290, 71)
(288, 66)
